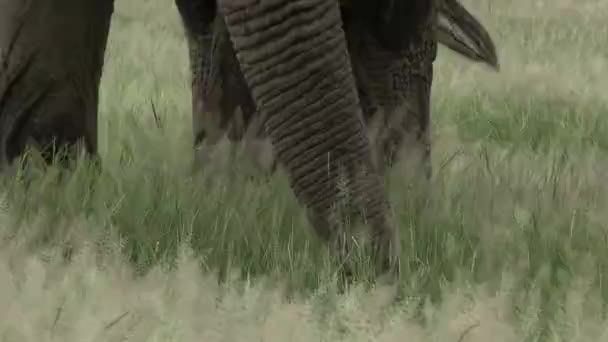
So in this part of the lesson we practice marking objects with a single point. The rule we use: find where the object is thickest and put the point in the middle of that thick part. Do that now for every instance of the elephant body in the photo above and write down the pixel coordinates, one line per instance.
(393, 83)
(295, 72)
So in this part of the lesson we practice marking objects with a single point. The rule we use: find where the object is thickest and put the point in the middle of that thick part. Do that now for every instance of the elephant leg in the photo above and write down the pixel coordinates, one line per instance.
(294, 58)
(221, 102)
(208, 124)
(237, 105)
(51, 60)
(397, 83)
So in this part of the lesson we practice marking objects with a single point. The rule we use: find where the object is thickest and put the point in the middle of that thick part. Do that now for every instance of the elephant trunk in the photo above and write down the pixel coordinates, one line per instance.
(294, 58)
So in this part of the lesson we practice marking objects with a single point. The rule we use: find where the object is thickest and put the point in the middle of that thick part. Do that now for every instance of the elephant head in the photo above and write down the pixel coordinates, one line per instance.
(227, 105)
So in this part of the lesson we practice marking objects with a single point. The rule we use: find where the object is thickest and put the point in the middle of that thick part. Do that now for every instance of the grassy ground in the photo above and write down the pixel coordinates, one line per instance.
(512, 246)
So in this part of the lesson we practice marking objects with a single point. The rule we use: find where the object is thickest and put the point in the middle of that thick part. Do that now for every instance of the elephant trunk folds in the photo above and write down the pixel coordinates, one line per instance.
(294, 58)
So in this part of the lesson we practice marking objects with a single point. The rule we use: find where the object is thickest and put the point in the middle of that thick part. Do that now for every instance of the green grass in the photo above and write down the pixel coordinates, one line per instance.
(512, 242)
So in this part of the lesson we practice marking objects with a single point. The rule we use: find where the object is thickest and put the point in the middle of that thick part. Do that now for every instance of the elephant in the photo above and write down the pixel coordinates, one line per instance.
(395, 84)
(294, 58)
(227, 107)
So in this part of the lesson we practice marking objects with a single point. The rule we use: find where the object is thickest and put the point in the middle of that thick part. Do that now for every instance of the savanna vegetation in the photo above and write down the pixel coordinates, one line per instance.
(511, 244)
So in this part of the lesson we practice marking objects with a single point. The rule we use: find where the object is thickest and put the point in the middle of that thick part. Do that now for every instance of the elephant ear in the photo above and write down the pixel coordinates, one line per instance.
(461, 32)
(394, 23)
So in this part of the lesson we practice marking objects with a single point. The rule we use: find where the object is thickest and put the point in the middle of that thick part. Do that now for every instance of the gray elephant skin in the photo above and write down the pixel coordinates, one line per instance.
(393, 87)
(294, 59)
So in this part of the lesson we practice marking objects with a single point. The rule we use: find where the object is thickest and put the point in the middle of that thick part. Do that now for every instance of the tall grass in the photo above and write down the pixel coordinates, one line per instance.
(510, 245)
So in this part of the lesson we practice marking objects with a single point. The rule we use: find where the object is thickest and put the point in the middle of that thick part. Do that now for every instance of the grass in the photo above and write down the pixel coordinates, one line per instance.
(511, 246)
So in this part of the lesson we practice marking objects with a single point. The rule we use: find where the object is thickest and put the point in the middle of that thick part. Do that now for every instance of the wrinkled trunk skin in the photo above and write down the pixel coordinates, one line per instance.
(51, 62)
(395, 87)
(294, 58)
(221, 100)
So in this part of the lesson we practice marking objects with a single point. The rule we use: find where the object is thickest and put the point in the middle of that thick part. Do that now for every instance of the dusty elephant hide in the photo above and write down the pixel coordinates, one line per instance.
(393, 79)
